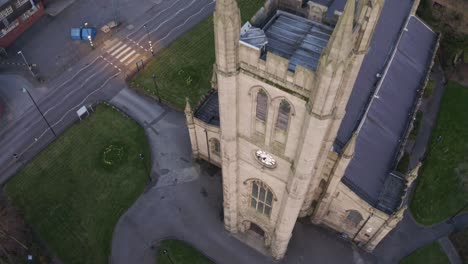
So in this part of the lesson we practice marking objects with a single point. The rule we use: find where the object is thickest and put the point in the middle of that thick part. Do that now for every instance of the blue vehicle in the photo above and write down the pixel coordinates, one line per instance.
(83, 33)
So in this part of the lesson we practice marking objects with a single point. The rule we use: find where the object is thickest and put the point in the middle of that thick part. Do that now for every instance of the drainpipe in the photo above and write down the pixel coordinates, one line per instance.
(207, 145)
(363, 225)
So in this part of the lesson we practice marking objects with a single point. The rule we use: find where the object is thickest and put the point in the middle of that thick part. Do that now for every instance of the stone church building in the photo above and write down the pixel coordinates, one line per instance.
(311, 106)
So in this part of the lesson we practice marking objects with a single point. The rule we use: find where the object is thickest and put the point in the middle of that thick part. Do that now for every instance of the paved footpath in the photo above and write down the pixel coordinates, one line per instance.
(186, 203)
(450, 250)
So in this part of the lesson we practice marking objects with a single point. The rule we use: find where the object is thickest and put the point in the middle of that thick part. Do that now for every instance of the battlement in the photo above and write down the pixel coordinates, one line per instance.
(285, 51)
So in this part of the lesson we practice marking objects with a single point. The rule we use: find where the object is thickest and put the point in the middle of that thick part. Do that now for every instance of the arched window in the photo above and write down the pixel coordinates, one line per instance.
(215, 146)
(283, 115)
(353, 218)
(261, 198)
(262, 106)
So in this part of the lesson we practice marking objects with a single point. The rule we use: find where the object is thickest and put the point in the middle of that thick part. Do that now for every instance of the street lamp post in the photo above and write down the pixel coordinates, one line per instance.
(32, 99)
(89, 36)
(27, 64)
(149, 40)
(166, 252)
(156, 88)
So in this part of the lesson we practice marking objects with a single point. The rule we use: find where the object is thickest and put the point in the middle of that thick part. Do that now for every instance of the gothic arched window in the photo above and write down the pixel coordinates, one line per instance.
(284, 111)
(262, 106)
(215, 146)
(261, 198)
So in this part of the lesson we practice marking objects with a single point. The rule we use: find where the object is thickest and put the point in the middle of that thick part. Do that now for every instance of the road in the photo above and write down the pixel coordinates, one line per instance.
(98, 76)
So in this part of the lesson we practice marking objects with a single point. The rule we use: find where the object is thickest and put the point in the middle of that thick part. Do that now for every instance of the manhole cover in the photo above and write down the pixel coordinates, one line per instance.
(130, 27)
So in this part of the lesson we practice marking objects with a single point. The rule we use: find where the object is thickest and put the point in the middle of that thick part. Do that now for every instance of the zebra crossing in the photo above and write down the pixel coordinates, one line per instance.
(124, 52)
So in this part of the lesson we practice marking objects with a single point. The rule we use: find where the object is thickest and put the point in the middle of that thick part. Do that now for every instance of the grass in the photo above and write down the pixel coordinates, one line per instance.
(180, 253)
(184, 69)
(442, 189)
(403, 164)
(429, 91)
(74, 191)
(460, 241)
(452, 42)
(430, 254)
(416, 125)
(465, 53)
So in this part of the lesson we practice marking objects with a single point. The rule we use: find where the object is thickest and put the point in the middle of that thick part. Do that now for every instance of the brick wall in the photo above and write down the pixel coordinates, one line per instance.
(6, 40)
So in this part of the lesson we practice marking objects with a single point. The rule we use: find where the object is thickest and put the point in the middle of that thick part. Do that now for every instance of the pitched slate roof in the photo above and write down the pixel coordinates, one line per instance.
(387, 116)
(390, 24)
(208, 111)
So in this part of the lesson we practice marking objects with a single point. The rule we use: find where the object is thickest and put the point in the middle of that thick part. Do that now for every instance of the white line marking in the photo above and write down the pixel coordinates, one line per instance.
(75, 90)
(123, 52)
(132, 59)
(119, 49)
(78, 72)
(54, 89)
(66, 113)
(154, 17)
(167, 35)
(127, 56)
(81, 103)
(167, 20)
(114, 47)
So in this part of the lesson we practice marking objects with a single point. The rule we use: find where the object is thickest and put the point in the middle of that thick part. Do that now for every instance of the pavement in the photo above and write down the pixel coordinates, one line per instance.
(48, 44)
(409, 235)
(450, 250)
(79, 75)
(430, 108)
(185, 202)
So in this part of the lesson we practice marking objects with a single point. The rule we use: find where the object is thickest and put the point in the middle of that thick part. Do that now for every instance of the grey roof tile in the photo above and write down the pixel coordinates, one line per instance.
(388, 114)
(208, 111)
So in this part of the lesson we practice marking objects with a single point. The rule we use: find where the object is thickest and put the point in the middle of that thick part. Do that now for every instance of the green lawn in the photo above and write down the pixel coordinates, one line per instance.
(74, 191)
(178, 252)
(460, 241)
(442, 189)
(185, 68)
(430, 254)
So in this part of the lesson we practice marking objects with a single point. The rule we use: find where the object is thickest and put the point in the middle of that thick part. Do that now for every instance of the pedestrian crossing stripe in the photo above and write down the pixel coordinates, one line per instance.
(127, 56)
(132, 59)
(119, 49)
(114, 46)
(123, 52)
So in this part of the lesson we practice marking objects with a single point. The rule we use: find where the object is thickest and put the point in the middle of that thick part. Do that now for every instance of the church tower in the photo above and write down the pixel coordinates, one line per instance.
(281, 86)
(227, 33)
(280, 105)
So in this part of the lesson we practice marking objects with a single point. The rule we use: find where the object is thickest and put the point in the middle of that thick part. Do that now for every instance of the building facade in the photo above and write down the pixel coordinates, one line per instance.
(280, 123)
(16, 16)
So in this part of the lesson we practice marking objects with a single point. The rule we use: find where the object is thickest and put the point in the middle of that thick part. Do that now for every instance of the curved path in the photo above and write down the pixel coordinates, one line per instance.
(186, 203)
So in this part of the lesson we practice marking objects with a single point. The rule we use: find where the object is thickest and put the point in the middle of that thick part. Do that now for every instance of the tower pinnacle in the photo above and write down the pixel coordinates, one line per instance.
(227, 34)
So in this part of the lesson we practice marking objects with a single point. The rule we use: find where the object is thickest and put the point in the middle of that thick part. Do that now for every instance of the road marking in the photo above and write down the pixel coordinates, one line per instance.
(75, 90)
(119, 49)
(123, 52)
(167, 35)
(127, 56)
(61, 119)
(167, 20)
(81, 103)
(113, 47)
(154, 17)
(132, 59)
